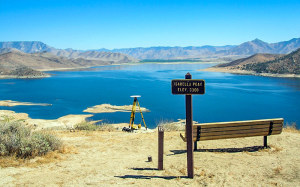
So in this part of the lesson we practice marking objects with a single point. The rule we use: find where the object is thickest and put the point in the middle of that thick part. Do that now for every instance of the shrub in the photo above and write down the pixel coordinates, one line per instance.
(291, 128)
(172, 126)
(18, 140)
(106, 127)
(87, 126)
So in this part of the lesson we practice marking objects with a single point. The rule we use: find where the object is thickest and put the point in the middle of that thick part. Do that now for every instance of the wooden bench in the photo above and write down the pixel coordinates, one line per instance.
(236, 129)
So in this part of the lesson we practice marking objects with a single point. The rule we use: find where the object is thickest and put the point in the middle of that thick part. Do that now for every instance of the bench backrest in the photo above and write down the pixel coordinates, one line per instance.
(237, 129)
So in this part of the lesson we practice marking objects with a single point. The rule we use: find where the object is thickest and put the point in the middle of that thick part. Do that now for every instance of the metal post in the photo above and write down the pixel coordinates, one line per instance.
(195, 146)
(160, 148)
(189, 132)
(265, 141)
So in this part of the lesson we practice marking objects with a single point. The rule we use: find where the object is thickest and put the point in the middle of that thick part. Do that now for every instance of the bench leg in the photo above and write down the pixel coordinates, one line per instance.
(265, 141)
(195, 146)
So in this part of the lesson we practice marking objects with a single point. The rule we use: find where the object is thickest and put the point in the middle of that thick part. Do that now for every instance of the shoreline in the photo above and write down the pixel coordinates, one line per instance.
(244, 72)
(23, 77)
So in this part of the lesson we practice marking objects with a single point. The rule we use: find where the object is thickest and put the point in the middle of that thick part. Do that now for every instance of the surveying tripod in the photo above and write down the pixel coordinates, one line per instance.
(132, 116)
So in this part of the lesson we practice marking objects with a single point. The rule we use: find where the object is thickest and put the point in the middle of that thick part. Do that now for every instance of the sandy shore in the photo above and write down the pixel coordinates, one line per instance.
(107, 108)
(64, 122)
(120, 159)
(22, 77)
(11, 103)
(236, 71)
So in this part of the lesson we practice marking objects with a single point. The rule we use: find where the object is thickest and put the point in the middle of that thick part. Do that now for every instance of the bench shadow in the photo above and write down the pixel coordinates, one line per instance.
(222, 150)
(149, 177)
(139, 169)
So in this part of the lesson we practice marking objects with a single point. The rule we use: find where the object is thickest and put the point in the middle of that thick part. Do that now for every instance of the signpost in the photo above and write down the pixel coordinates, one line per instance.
(188, 87)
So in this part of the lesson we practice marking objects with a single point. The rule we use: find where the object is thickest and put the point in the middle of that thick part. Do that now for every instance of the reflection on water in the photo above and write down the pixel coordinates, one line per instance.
(228, 97)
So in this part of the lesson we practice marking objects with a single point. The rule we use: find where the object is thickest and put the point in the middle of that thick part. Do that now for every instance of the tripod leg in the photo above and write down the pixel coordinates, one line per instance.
(132, 116)
(141, 114)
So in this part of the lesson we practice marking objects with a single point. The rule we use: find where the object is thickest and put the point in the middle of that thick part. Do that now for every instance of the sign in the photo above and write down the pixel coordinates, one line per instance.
(188, 86)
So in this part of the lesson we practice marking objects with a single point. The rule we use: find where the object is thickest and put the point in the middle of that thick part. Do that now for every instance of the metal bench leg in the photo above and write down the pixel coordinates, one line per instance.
(265, 141)
(195, 146)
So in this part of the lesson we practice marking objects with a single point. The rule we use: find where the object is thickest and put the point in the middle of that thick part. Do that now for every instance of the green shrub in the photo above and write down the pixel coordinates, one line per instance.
(18, 140)
(87, 126)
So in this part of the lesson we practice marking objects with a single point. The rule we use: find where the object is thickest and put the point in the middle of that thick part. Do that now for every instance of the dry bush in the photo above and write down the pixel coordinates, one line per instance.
(86, 126)
(19, 141)
(171, 126)
(106, 127)
(291, 127)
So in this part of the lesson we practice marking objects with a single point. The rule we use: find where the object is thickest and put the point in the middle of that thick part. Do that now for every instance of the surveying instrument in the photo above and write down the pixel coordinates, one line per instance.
(132, 116)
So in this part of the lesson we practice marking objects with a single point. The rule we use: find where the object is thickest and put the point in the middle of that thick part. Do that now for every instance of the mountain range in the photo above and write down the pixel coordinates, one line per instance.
(134, 54)
(242, 50)
(38, 47)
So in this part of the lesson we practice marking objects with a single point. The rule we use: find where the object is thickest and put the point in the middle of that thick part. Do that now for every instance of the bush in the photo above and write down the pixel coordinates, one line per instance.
(106, 127)
(169, 126)
(87, 126)
(291, 127)
(18, 140)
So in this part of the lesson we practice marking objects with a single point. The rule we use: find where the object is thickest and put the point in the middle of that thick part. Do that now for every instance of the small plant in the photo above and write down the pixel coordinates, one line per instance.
(87, 126)
(18, 140)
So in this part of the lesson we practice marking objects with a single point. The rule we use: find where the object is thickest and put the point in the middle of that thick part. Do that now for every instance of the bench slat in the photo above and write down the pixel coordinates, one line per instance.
(241, 123)
(239, 131)
(237, 135)
(216, 129)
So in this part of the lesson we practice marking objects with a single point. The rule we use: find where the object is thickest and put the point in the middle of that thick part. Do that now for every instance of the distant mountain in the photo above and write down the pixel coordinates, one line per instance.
(242, 50)
(165, 53)
(38, 47)
(26, 46)
(171, 52)
(259, 46)
(264, 63)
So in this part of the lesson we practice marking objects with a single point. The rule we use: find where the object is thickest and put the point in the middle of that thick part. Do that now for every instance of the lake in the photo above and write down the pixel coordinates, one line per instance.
(228, 97)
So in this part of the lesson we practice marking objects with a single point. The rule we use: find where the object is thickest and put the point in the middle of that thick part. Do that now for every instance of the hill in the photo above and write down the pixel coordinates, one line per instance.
(261, 57)
(288, 64)
(264, 64)
(28, 65)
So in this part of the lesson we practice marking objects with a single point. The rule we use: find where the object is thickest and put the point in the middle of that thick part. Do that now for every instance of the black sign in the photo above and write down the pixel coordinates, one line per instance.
(188, 86)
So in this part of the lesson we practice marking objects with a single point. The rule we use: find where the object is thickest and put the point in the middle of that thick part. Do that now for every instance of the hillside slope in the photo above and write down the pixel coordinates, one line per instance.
(288, 64)
(20, 64)
(261, 57)
(264, 64)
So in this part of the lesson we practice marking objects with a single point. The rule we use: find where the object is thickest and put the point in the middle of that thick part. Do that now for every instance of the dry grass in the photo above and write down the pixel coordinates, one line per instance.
(292, 127)
(170, 126)
(50, 157)
(106, 127)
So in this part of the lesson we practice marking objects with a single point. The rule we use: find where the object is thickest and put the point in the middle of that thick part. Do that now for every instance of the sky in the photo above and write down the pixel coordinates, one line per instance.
(91, 24)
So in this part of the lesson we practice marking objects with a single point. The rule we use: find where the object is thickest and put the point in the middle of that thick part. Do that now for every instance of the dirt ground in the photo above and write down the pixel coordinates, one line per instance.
(120, 158)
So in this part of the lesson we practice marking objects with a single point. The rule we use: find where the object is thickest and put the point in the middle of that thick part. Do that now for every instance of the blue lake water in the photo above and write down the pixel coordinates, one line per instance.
(228, 97)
